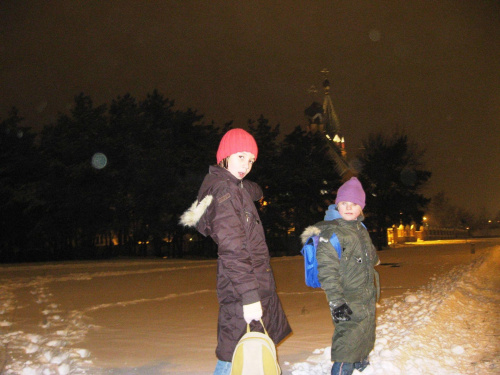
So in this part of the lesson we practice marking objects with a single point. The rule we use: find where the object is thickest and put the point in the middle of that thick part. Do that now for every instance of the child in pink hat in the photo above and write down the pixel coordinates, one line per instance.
(225, 210)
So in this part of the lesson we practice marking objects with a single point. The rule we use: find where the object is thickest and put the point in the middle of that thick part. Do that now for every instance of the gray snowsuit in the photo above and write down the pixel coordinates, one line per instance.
(350, 280)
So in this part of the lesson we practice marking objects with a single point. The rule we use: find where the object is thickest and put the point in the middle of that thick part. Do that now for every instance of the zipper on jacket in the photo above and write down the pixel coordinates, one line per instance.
(248, 215)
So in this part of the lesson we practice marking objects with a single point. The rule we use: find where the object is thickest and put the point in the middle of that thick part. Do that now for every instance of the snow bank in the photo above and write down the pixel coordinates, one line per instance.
(448, 328)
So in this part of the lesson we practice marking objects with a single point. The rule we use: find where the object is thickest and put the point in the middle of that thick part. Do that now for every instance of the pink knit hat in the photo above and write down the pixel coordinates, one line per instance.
(351, 191)
(236, 140)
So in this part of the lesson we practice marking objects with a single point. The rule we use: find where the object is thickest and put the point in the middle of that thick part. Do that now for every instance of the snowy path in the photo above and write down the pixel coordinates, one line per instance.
(53, 304)
(46, 341)
(159, 316)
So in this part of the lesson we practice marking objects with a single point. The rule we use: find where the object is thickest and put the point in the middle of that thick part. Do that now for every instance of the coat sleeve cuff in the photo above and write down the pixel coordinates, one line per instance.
(335, 304)
(249, 297)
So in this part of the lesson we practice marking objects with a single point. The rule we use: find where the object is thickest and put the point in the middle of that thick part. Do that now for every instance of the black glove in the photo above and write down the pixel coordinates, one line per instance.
(341, 313)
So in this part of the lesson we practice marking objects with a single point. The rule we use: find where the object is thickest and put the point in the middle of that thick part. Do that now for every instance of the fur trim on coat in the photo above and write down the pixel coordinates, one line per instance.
(311, 230)
(194, 213)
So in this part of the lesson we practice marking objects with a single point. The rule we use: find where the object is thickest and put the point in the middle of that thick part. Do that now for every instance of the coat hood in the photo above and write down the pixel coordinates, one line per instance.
(216, 176)
(313, 230)
(331, 214)
(193, 214)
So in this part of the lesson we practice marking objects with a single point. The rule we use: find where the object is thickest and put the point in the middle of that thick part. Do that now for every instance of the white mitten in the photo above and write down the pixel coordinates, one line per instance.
(252, 311)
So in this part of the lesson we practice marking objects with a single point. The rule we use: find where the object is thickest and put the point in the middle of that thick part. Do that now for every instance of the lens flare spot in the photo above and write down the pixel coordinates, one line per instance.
(99, 160)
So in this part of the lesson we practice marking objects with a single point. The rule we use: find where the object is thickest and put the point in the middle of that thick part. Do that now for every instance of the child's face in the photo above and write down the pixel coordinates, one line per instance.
(240, 164)
(348, 210)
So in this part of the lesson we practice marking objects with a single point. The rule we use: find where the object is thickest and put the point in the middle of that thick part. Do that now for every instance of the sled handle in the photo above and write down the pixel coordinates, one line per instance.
(261, 322)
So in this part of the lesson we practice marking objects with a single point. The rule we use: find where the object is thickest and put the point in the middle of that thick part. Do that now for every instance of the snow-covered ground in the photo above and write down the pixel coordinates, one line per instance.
(438, 314)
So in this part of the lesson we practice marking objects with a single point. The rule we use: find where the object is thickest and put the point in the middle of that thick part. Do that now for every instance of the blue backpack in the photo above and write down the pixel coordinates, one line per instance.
(310, 262)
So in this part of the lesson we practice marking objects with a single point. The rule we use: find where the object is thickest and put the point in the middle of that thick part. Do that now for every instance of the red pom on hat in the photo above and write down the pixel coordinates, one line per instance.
(351, 191)
(236, 140)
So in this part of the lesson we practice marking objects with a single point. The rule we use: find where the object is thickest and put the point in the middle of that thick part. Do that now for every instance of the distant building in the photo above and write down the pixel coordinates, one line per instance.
(323, 118)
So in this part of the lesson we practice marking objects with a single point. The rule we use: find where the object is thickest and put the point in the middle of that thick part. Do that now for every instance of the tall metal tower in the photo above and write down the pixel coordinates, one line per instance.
(323, 118)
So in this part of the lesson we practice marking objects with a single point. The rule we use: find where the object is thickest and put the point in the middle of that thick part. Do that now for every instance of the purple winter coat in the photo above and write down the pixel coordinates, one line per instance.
(225, 210)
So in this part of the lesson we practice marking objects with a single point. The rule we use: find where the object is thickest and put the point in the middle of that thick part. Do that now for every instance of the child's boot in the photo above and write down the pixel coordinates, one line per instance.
(360, 366)
(342, 368)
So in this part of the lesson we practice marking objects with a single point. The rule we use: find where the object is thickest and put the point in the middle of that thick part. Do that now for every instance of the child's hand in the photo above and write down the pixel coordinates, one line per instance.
(252, 311)
(341, 313)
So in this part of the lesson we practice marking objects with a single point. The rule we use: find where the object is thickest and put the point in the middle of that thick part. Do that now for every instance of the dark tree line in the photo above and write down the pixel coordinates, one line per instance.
(392, 175)
(104, 180)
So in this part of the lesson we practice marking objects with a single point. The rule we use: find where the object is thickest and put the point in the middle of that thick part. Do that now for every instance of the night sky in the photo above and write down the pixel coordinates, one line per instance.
(428, 68)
